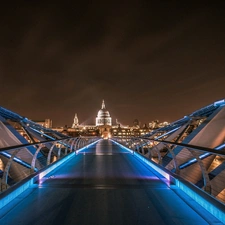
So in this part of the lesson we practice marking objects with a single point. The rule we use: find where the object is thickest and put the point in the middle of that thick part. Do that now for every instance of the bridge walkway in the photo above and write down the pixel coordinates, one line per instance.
(104, 184)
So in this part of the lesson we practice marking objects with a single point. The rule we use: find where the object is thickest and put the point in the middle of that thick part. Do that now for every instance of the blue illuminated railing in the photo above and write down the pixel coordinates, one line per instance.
(204, 199)
(59, 148)
(209, 181)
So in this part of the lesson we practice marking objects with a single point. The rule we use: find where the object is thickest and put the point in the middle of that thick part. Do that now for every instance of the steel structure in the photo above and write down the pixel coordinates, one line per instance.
(192, 147)
(114, 185)
(190, 154)
(22, 156)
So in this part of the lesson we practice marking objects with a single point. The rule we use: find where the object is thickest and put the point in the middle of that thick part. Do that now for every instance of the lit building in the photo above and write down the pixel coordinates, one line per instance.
(129, 131)
(156, 124)
(103, 127)
(103, 118)
(104, 122)
(45, 123)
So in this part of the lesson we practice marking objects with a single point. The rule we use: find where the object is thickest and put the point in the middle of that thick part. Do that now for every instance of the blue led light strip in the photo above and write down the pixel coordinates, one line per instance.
(22, 186)
(18, 160)
(208, 202)
(167, 133)
(203, 156)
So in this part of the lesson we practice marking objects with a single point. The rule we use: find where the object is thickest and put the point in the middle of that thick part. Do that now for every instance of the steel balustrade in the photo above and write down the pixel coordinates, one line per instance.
(71, 143)
(136, 144)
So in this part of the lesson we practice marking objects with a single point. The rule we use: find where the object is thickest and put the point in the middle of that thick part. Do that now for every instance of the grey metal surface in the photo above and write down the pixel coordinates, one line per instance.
(104, 184)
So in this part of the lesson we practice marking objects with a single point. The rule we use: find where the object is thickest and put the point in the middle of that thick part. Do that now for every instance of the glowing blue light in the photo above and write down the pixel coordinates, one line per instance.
(147, 161)
(201, 199)
(189, 189)
(15, 193)
(61, 142)
(220, 102)
(220, 147)
(155, 167)
(55, 165)
(42, 133)
(87, 146)
(36, 177)
(18, 160)
(192, 161)
(61, 161)
(167, 133)
(122, 146)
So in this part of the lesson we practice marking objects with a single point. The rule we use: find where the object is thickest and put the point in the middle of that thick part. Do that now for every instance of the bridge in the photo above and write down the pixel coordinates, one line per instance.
(173, 175)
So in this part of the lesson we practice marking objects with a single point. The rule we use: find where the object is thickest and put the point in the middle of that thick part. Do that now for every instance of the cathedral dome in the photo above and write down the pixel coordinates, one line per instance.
(103, 113)
(103, 117)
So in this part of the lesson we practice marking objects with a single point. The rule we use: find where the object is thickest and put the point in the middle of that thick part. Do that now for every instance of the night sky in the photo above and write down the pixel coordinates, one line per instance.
(147, 60)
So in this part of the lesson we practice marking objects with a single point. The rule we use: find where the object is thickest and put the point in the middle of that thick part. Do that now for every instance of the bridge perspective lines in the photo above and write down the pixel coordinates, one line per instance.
(105, 184)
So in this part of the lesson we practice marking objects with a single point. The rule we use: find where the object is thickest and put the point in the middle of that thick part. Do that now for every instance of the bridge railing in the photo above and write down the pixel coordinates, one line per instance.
(206, 165)
(58, 149)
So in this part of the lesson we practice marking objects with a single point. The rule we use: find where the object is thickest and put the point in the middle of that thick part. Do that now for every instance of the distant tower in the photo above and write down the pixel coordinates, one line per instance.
(75, 121)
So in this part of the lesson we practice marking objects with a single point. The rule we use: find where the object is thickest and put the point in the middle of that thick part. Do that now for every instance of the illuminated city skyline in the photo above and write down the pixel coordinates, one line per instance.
(149, 61)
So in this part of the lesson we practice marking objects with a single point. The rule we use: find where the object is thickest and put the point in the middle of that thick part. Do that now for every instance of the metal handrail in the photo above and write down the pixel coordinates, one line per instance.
(193, 149)
(14, 147)
(39, 145)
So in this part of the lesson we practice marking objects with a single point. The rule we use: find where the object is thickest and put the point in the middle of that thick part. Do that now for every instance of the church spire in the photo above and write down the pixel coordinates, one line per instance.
(103, 104)
(75, 121)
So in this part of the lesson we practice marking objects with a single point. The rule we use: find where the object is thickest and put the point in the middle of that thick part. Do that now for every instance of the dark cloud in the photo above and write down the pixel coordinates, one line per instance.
(147, 60)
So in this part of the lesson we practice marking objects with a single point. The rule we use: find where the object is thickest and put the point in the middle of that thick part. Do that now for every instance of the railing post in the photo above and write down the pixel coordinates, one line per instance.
(34, 158)
(59, 151)
(207, 183)
(4, 179)
(177, 170)
(50, 152)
